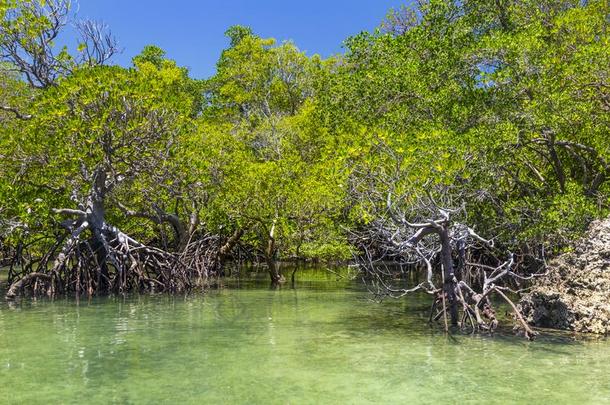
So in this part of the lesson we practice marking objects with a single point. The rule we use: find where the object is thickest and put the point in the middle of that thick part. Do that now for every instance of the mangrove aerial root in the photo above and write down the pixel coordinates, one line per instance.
(94, 257)
(464, 298)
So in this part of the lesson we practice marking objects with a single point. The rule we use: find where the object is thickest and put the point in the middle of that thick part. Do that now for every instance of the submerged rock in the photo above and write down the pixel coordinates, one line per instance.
(576, 293)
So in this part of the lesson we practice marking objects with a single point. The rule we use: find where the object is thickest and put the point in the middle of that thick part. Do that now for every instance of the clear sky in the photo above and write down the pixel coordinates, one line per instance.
(192, 32)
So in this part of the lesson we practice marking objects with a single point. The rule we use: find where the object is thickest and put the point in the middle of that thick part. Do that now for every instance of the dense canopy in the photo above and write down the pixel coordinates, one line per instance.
(501, 108)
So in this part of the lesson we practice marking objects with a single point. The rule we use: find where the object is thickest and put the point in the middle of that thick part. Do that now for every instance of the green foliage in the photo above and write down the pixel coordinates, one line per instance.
(266, 155)
(124, 120)
(509, 102)
(504, 104)
(238, 32)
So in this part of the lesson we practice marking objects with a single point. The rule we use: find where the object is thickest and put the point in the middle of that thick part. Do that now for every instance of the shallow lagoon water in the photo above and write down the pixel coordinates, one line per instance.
(321, 342)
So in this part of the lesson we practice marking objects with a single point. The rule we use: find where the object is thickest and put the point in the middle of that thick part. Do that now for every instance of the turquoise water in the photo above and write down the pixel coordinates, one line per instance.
(323, 342)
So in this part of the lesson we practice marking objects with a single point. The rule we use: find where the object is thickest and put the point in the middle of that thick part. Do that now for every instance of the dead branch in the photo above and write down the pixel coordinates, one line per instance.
(435, 241)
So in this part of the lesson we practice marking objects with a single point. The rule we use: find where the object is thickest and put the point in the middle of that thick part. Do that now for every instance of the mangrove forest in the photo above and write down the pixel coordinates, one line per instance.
(439, 185)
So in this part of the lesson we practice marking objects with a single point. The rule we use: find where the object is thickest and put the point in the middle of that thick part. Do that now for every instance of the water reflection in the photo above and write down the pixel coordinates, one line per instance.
(323, 341)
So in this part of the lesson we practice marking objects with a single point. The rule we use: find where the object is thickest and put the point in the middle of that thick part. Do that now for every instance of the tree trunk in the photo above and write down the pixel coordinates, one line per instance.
(270, 252)
(450, 284)
(556, 161)
(228, 246)
(276, 277)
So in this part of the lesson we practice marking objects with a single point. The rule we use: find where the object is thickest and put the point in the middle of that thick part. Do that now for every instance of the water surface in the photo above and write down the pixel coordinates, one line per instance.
(323, 342)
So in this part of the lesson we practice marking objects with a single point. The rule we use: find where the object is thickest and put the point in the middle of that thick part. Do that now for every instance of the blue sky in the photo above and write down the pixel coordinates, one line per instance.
(192, 32)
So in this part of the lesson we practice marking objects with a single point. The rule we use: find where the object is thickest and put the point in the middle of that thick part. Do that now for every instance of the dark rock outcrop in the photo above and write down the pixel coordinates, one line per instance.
(576, 294)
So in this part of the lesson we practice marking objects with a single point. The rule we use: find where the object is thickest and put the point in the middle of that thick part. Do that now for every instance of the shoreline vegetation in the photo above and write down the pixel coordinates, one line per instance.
(463, 140)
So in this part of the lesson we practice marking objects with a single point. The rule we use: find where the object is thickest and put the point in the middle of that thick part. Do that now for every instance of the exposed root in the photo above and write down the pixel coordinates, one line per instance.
(29, 279)
(98, 258)
(118, 264)
(444, 247)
